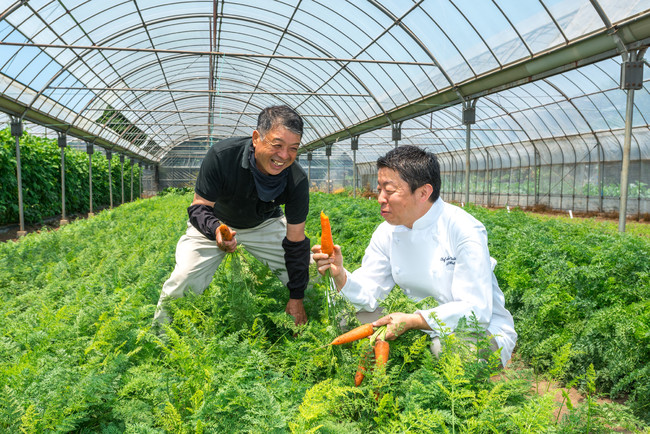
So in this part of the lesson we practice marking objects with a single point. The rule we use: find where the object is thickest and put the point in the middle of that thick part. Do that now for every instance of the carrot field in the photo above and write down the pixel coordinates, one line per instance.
(78, 353)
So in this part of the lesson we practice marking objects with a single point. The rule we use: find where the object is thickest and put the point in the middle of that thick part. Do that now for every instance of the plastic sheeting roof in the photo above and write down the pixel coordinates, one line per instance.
(146, 77)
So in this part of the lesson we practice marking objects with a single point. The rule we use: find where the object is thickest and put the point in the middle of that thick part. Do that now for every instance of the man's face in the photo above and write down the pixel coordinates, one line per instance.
(398, 205)
(276, 151)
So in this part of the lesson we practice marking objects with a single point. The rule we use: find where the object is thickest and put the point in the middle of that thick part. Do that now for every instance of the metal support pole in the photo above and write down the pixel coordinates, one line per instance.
(452, 175)
(396, 129)
(131, 161)
(538, 170)
(328, 152)
(309, 157)
(122, 175)
(146, 180)
(17, 131)
(355, 176)
(355, 146)
(488, 181)
(468, 133)
(90, 150)
(469, 117)
(601, 176)
(625, 169)
(140, 179)
(631, 79)
(109, 155)
(63, 142)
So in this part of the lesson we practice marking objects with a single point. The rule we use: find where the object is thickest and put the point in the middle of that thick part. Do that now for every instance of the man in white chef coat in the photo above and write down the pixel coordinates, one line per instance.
(430, 249)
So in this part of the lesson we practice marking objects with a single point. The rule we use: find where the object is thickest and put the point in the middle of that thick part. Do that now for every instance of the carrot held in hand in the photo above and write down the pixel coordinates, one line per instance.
(354, 335)
(326, 242)
(225, 232)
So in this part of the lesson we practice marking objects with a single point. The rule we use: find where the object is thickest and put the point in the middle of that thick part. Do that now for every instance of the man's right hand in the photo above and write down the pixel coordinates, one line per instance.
(296, 309)
(334, 263)
(226, 246)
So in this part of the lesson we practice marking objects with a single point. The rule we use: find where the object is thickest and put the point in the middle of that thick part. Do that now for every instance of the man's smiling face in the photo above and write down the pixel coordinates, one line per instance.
(276, 151)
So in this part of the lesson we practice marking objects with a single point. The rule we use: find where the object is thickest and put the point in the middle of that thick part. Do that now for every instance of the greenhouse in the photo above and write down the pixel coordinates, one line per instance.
(111, 112)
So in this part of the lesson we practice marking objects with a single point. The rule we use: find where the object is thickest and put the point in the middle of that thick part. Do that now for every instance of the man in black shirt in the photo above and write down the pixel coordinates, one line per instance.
(242, 183)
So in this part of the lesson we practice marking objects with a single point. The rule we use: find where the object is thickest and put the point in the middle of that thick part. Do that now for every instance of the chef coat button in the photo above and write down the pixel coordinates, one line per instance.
(397, 270)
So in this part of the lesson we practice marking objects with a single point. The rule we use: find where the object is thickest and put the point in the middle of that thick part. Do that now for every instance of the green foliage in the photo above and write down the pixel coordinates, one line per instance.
(41, 179)
(79, 353)
(574, 285)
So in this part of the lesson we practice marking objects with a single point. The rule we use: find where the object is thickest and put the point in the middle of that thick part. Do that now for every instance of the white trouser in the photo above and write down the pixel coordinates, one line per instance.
(197, 259)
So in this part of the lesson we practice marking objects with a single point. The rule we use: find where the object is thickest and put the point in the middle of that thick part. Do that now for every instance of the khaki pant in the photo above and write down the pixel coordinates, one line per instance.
(197, 259)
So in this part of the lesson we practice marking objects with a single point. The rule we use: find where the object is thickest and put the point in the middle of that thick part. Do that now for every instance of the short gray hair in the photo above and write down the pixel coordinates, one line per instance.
(279, 115)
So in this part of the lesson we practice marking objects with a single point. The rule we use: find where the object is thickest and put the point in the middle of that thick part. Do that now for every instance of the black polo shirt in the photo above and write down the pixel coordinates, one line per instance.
(225, 178)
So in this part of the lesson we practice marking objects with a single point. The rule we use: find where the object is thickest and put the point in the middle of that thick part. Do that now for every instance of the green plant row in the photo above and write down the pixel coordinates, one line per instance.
(41, 179)
(580, 288)
(79, 353)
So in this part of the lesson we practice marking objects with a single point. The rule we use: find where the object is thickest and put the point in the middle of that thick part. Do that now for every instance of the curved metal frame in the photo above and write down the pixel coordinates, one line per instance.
(341, 89)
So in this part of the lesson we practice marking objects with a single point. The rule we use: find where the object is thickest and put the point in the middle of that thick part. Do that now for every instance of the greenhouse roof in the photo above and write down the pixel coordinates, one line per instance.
(146, 78)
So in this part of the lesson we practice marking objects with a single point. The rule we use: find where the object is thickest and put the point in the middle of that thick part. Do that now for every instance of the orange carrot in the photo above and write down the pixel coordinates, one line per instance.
(361, 373)
(326, 242)
(225, 232)
(381, 352)
(361, 369)
(354, 335)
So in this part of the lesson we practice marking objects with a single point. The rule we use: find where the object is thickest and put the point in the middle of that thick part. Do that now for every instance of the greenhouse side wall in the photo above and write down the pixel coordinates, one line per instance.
(557, 187)
(177, 177)
(545, 187)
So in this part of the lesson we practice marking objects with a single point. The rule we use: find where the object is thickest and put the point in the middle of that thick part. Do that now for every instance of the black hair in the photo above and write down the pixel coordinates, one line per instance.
(279, 115)
(415, 166)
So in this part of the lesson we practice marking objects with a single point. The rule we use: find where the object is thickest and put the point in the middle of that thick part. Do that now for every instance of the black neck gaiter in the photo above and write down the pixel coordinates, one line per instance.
(268, 186)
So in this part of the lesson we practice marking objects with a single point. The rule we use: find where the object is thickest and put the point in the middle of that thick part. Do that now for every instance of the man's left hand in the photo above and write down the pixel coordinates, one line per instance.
(296, 309)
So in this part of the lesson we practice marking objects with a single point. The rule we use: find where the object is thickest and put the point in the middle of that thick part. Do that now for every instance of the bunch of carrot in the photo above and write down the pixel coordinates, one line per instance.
(377, 341)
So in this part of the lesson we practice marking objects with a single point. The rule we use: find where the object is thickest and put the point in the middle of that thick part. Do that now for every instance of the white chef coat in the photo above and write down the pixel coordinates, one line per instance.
(444, 256)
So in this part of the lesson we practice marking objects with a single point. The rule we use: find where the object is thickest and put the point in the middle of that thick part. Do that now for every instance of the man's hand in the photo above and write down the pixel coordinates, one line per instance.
(334, 263)
(226, 246)
(296, 309)
(399, 322)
